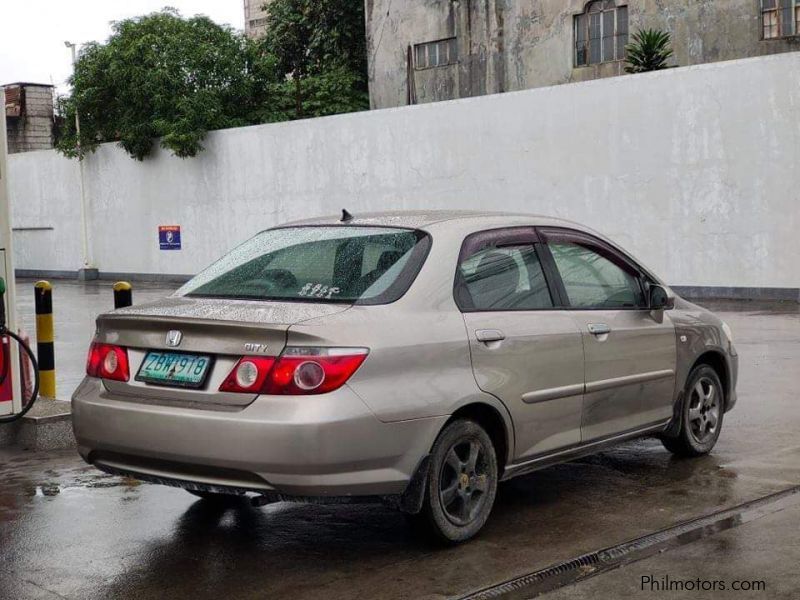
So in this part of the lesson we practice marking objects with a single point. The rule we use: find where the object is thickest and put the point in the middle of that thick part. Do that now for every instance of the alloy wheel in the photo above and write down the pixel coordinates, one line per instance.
(464, 481)
(704, 410)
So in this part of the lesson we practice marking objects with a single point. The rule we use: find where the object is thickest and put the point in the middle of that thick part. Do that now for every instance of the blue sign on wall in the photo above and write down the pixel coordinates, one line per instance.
(169, 237)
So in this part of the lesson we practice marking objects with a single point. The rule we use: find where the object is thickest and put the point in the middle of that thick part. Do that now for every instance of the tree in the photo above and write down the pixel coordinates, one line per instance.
(320, 48)
(163, 76)
(649, 51)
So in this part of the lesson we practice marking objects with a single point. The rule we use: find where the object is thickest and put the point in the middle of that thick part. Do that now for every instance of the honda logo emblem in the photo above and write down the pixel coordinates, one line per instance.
(174, 338)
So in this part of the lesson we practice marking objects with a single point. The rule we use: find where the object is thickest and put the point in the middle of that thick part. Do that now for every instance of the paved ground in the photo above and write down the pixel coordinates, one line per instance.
(756, 560)
(68, 531)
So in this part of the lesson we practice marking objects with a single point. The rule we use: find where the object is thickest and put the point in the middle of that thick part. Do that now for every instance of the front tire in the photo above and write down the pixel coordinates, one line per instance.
(701, 415)
(462, 482)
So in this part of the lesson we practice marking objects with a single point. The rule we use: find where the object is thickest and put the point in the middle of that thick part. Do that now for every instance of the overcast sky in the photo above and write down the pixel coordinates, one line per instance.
(32, 32)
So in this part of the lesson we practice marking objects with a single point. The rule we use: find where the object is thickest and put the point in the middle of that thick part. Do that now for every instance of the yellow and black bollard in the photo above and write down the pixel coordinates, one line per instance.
(43, 295)
(123, 294)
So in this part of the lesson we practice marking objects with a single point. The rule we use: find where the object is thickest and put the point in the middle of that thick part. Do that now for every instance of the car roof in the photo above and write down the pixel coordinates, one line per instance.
(459, 223)
(416, 219)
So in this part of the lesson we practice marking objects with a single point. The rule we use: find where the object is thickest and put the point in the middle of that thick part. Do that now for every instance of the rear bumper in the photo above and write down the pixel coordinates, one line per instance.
(314, 446)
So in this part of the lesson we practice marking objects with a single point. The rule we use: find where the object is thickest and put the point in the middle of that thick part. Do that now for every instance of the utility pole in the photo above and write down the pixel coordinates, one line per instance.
(88, 272)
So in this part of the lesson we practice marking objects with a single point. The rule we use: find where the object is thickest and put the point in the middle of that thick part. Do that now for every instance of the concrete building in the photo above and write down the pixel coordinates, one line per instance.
(255, 18)
(29, 116)
(430, 50)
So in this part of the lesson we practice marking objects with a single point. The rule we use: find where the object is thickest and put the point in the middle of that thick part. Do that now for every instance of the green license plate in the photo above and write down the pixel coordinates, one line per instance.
(174, 369)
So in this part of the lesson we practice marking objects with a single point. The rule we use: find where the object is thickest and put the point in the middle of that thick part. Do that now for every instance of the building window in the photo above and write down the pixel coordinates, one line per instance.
(601, 33)
(435, 54)
(780, 18)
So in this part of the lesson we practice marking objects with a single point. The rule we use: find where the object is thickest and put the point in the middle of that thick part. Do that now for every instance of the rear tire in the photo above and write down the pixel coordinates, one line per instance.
(701, 415)
(462, 483)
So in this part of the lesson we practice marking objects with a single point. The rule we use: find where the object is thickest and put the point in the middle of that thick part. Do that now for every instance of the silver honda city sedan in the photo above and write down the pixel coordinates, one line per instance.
(412, 358)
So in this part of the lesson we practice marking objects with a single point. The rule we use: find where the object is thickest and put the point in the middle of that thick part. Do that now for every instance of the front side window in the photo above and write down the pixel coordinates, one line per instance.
(593, 279)
(780, 18)
(503, 278)
(601, 33)
(356, 265)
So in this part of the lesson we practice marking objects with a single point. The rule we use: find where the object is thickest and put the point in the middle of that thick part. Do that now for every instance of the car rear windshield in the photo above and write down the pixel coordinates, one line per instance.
(356, 265)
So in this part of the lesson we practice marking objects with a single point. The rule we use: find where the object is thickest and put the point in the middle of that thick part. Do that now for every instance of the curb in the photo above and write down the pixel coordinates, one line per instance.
(47, 427)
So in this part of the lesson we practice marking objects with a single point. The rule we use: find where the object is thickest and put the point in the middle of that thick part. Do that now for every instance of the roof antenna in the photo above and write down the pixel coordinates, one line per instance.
(346, 216)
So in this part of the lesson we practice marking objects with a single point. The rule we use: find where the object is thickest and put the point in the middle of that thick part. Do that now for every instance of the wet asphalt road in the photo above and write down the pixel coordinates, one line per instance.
(69, 531)
(755, 560)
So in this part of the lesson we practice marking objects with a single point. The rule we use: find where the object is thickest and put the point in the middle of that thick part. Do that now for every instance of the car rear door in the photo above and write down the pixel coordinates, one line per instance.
(524, 351)
(629, 350)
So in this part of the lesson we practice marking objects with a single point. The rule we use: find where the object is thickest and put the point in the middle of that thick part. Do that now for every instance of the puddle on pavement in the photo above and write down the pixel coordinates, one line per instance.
(54, 481)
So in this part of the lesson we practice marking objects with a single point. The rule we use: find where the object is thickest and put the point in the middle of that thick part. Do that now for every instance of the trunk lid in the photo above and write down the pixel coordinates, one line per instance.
(223, 329)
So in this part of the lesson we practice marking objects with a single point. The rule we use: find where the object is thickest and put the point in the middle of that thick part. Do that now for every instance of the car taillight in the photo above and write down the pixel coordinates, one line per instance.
(298, 371)
(107, 361)
(248, 375)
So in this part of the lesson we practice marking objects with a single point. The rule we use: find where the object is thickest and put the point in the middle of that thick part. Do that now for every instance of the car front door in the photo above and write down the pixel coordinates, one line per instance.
(524, 351)
(629, 350)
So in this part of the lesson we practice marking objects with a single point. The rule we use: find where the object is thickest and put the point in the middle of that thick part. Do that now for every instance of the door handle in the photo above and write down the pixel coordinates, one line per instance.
(599, 328)
(489, 335)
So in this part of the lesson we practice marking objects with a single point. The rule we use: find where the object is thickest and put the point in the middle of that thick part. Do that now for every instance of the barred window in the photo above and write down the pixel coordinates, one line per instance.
(601, 33)
(780, 18)
(436, 54)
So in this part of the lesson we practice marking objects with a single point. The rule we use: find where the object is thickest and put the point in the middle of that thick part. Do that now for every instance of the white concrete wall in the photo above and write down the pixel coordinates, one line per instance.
(695, 170)
(45, 193)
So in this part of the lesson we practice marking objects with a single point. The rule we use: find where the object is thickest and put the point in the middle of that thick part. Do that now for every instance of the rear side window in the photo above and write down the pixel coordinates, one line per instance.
(591, 280)
(503, 278)
(357, 265)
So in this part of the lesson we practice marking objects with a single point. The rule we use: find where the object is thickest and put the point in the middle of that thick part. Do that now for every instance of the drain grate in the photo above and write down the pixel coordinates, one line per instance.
(587, 565)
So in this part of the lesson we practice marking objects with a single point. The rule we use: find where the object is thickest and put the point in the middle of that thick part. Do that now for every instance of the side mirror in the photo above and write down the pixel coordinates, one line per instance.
(660, 299)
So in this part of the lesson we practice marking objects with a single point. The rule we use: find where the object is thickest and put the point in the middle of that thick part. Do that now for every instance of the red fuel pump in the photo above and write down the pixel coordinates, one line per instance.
(6, 364)
(6, 386)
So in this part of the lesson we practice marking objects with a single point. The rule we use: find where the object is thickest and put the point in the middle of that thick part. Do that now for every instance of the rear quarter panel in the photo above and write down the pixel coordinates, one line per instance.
(418, 364)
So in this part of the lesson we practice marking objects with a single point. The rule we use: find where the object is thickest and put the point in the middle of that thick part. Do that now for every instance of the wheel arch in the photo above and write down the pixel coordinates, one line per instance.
(717, 361)
(496, 425)
(714, 358)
